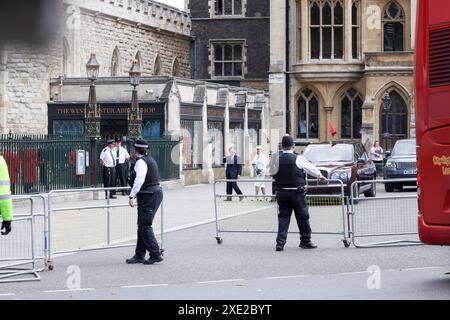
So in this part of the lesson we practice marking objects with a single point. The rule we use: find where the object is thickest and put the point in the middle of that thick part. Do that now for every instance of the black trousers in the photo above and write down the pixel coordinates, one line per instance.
(121, 174)
(296, 201)
(109, 179)
(233, 186)
(148, 205)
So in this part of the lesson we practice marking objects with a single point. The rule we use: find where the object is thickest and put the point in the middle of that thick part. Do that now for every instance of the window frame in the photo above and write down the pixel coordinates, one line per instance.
(356, 26)
(242, 61)
(233, 9)
(352, 100)
(307, 100)
(321, 26)
(400, 18)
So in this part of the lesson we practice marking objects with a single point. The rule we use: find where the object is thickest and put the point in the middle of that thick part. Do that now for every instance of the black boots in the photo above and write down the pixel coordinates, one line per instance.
(307, 245)
(135, 260)
(153, 260)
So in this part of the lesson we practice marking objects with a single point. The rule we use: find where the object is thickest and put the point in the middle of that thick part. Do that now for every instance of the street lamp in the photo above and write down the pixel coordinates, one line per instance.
(135, 114)
(92, 113)
(387, 103)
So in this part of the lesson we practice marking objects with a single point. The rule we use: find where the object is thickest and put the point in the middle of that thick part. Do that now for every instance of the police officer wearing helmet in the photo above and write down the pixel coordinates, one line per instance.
(290, 180)
(145, 186)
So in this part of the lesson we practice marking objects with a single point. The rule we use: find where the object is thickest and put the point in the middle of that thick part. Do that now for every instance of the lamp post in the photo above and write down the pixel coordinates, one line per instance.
(135, 114)
(92, 112)
(387, 103)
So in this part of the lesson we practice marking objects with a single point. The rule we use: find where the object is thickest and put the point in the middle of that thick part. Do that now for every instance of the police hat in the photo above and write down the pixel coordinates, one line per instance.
(287, 142)
(141, 144)
(110, 142)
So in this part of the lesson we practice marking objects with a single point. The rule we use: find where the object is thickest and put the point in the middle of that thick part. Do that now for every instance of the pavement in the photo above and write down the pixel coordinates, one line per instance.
(245, 266)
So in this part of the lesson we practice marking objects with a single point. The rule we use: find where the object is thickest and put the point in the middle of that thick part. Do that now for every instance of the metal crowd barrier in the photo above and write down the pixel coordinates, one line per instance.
(385, 221)
(23, 251)
(249, 213)
(101, 224)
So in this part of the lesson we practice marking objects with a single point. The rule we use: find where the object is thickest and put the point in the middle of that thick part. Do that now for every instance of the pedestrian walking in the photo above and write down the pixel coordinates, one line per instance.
(108, 162)
(376, 154)
(291, 194)
(233, 171)
(6, 210)
(122, 158)
(260, 164)
(145, 181)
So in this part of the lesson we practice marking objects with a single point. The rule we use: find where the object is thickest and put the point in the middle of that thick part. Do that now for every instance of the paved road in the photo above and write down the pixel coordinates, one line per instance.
(246, 266)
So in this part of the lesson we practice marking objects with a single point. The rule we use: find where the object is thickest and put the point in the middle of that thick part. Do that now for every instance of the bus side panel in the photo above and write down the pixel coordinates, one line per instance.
(434, 155)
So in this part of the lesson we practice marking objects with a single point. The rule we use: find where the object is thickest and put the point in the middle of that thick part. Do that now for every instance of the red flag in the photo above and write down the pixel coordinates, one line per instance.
(332, 130)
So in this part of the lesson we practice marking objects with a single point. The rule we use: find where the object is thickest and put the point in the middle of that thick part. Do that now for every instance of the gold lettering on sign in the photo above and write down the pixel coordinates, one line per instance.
(70, 111)
(444, 163)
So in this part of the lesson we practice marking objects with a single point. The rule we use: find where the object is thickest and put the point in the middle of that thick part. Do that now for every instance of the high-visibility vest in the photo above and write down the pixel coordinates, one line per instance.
(5, 183)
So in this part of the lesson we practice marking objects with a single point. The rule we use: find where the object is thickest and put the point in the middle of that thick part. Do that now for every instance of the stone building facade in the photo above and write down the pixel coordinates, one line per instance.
(231, 41)
(117, 31)
(335, 64)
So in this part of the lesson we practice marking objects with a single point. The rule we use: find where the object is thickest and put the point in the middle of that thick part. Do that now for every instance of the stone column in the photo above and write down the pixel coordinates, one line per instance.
(348, 30)
(413, 22)
(328, 110)
(207, 171)
(305, 30)
(246, 147)
(226, 124)
(173, 110)
(368, 119)
(277, 77)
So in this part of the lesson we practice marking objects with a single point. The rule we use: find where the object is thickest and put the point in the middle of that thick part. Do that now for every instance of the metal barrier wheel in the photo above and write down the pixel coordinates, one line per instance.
(219, 240)
(347, 243)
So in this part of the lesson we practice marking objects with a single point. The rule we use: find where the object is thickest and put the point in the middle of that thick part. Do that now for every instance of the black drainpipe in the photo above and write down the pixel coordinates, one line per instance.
(287, 45)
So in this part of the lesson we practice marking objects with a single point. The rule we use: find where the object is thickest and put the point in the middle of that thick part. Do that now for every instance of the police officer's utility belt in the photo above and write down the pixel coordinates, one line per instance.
(150, 189)
(298, 189)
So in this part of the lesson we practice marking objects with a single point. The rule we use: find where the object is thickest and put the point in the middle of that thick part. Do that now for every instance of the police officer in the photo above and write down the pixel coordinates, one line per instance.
(122, 157)
(290, 182)
(5, 198)
(145, 186)
(108, 162)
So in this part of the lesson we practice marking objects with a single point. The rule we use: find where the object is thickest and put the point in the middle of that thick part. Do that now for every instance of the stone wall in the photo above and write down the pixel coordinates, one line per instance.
(145, 29)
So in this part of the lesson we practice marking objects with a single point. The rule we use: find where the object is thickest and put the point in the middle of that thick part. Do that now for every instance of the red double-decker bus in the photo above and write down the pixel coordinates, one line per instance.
(432, 103)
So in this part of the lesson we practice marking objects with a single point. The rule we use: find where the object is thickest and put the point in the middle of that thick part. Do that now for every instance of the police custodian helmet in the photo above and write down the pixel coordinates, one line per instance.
(141, 144)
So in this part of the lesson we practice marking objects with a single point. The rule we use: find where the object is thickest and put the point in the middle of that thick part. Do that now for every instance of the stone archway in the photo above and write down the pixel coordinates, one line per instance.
(394, 123)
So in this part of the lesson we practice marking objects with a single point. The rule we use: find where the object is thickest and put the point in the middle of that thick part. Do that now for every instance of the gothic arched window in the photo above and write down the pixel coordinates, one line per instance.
(175, 68)
(355, 29)
(115, 63)
(326, 29)
(307, 115)
(157, 68)
(393, 27)
(351, 115)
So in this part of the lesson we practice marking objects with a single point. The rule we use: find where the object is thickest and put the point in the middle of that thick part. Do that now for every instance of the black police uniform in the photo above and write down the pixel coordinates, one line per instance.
(290, 182)
(149, 200)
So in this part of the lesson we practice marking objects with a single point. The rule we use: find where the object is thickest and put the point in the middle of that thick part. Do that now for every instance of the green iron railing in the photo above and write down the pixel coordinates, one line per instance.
(40, 163)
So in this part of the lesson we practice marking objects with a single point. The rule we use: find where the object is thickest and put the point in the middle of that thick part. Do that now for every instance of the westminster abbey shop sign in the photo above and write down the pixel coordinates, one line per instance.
(67, 118)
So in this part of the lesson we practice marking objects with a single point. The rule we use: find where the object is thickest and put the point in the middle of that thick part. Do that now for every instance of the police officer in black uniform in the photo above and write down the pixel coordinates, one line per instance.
(290, 180)
(145, 186)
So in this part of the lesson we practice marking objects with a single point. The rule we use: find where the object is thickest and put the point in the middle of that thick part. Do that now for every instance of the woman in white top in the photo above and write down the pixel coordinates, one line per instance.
(376, 154)
(260, 163)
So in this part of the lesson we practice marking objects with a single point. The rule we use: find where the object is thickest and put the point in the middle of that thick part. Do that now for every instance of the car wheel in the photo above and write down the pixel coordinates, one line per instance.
(389, 187)
(372, 193)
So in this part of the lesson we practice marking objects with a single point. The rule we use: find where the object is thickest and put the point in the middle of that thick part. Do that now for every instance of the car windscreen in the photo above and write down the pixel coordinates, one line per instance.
(404, 148)
(329, 153)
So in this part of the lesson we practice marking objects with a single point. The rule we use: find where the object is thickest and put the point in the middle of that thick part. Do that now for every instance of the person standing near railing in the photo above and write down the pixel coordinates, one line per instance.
(145, 182)
(108, 162)
(260, 163)
(233, 171)
(291, 194)
(122, 157)
(6, 210)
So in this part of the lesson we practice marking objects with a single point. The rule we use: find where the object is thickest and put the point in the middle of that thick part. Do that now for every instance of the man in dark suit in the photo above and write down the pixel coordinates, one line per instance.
(233, 171)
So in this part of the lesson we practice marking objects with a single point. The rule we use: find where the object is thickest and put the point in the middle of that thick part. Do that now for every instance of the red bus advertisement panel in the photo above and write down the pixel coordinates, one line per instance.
(432, 103)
